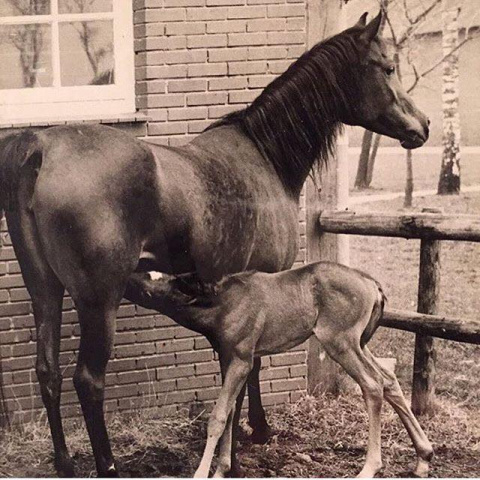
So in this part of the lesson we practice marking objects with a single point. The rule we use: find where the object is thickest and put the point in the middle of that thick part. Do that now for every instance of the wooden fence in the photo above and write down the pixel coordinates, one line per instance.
(431, 227)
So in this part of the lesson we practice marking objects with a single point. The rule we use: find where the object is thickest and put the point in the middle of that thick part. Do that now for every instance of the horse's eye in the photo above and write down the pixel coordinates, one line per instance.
(390, 70)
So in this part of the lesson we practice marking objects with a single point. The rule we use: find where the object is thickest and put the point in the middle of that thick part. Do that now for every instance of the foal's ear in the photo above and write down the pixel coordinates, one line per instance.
(362, 21)
(371, 30)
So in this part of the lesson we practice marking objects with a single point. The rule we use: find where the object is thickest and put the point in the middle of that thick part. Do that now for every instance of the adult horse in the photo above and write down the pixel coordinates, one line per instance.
(87, 204)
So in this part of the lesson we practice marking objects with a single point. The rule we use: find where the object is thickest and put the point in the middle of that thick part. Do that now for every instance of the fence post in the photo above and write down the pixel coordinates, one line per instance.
(325, 18)
(423, 388)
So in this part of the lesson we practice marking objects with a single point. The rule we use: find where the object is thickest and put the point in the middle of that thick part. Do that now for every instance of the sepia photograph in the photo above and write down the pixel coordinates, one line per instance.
(240, 238)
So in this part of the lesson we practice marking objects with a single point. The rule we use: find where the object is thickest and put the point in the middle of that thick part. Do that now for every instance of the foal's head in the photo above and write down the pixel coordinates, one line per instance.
(378, 100)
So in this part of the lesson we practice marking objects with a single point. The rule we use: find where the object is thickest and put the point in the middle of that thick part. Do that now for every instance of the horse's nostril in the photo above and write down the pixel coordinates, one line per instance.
(427, 129)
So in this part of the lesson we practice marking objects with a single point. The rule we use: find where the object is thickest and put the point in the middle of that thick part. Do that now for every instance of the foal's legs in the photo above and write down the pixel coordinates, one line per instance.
(236, 375)
(226, 453)
(394, 395)
(224, 461)
(46, 292)
(348, 354)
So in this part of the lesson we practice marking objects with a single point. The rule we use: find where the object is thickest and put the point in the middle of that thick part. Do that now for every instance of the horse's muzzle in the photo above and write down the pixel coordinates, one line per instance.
(416, 138)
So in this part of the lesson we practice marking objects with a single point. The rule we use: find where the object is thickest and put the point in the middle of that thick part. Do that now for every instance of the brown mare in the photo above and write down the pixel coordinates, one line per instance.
(88, 205)
(251, 314)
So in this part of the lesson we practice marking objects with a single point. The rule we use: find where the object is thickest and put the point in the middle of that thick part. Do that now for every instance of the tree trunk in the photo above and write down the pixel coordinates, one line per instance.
(373, 155)
(408, 200)
(362, 170)
(449, 181)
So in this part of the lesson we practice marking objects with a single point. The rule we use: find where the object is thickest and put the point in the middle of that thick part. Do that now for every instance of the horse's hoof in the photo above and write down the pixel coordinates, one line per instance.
(422, 467)
(417, 475)
(261, 436)
(111, 472)
(236, 472)
(65, 468)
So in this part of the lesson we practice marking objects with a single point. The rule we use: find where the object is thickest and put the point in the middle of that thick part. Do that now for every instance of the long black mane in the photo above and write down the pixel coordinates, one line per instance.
(294, 122)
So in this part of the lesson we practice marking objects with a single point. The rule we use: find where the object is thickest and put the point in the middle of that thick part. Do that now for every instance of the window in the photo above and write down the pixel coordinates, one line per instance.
(65, 58)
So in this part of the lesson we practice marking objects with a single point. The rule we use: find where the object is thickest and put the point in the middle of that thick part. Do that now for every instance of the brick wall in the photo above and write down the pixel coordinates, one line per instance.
(196, 60)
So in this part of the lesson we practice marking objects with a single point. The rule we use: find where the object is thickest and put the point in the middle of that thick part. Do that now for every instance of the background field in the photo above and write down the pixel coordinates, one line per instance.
(390, 168)
(325, 436)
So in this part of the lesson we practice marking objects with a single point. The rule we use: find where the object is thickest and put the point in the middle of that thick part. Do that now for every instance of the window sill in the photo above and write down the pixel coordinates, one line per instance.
(50, 122)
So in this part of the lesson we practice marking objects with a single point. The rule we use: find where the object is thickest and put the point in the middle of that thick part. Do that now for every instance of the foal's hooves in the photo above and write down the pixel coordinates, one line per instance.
(412, 474)
(261, 436)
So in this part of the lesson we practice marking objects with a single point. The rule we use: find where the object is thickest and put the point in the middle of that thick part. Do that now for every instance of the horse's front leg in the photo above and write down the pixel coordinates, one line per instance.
(256, 413)
(237, 371)
(224, 463)
(97, 324)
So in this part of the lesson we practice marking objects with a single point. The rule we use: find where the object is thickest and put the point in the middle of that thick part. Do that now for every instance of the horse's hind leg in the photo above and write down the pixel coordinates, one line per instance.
(46, 293)
(394, 396)
(97, 323)
(256, 413)
(346, 351)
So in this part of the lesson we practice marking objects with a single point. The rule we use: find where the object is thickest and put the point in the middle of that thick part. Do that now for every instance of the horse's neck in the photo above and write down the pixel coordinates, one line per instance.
(295, 120)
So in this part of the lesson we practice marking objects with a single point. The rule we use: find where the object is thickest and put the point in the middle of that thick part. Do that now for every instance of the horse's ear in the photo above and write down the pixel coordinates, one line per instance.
(372, 29)
(362, 21)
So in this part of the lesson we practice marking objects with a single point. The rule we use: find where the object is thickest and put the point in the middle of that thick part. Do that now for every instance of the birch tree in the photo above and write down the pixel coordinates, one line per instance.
(449, 181)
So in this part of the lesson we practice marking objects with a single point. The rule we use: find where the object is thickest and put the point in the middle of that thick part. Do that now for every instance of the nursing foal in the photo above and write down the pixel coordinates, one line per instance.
(250, 314)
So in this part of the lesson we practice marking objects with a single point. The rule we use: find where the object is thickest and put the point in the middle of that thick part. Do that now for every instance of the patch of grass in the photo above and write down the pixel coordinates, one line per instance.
(320, 436)
(145, 445)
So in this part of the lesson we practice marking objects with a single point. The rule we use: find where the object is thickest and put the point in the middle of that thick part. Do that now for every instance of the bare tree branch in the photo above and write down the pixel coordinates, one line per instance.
(392, 31)
(419, 76)
(416, 22)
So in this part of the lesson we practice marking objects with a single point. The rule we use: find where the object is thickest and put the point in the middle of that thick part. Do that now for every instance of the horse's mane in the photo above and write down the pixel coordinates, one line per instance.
(295, 120)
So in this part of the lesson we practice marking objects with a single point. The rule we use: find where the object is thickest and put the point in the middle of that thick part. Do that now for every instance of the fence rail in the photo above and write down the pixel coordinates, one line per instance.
(440, 326)
(430, 227)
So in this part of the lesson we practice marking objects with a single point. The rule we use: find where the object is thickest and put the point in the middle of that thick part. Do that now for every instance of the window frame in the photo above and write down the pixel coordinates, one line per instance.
(95, 100)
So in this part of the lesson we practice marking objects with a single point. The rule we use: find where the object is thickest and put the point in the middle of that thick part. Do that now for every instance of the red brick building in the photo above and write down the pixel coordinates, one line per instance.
(162, 69)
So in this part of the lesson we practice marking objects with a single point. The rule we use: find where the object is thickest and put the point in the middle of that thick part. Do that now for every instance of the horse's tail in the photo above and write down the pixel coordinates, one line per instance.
(376, 315)
(16, 150)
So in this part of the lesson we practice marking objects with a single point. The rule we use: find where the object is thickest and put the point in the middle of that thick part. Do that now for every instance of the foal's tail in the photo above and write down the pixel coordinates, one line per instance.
(376, 316)
(16, 150)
